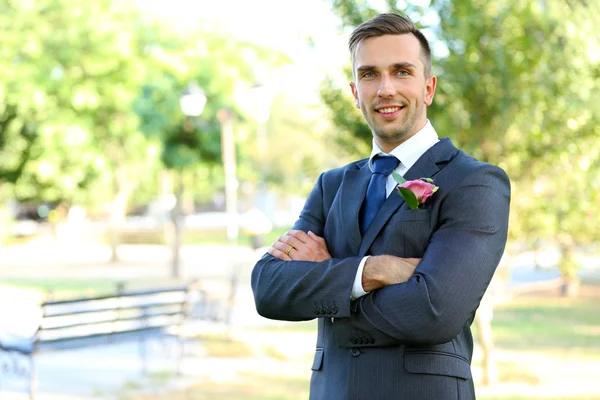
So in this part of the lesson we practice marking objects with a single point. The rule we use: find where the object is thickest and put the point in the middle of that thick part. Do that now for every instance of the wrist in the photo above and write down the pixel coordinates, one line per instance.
(372, 278)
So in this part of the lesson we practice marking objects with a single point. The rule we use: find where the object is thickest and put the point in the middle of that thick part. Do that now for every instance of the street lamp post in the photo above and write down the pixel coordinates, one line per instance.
(192, 103)
(230, 166)
(231, 186)
(259, 108)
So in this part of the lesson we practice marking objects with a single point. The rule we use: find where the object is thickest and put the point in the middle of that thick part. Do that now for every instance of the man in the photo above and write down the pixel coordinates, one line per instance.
(396, 289)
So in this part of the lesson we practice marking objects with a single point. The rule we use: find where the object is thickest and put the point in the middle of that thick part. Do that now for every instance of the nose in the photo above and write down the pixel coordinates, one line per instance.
(386, 87)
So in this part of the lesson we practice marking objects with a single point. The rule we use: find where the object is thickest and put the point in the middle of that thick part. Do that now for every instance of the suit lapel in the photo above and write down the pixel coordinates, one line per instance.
(425, 167)
(353, 189)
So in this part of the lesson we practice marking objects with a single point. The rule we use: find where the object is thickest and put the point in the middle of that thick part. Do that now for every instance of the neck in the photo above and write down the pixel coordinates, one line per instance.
(388, 146)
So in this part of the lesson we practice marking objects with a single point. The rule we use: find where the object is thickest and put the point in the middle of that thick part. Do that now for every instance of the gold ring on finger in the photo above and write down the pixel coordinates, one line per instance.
(287, 252)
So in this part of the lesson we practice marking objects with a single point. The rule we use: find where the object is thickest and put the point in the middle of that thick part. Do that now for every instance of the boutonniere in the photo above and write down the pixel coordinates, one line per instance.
(415, 192)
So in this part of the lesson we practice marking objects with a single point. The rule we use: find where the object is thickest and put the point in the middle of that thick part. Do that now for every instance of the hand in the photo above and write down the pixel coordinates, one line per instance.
(380, 271)
(305, 247)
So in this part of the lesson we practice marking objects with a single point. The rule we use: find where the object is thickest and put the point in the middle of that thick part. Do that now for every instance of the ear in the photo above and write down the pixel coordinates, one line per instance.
(355, 94)
(430, 85)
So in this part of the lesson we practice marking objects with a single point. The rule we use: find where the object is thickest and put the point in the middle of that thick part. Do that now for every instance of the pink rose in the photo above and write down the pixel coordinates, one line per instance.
(421, 189)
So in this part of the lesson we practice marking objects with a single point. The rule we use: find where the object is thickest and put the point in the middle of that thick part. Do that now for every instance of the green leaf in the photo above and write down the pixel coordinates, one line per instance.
(398, 178)
(409, 197)
(427, 180)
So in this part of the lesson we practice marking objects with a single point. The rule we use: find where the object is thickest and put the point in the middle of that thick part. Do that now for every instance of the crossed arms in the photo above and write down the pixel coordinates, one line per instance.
(378, 271)
(428, 305)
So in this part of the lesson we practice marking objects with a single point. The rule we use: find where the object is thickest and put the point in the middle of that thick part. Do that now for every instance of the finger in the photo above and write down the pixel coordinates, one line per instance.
(288, 240)
(275, 252)
(300, 235)
(283, 247)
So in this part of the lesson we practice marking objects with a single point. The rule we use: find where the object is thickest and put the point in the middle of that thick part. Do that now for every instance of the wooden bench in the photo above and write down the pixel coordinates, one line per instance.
(136, 315)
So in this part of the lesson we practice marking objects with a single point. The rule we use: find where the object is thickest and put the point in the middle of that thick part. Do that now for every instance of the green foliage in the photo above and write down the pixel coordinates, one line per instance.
(89, 99)
(409, 197)
(69, 75)
(352, 133)
(398, 178)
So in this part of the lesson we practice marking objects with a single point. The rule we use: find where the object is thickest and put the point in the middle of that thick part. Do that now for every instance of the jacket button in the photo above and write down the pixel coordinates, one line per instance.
(353, 340)
(371, 341)
(355, 353)
(328, 310)
(334, 310)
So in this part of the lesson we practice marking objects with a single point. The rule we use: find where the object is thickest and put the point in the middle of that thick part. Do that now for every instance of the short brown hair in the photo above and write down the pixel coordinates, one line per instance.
(390, 24)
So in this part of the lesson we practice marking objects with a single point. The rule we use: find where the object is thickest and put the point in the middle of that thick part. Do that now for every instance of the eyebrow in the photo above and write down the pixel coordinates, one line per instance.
(363, 68)
(400, 65)
(404, 65)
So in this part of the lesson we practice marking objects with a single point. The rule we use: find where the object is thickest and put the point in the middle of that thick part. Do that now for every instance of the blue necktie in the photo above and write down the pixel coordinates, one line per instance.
(383, 166)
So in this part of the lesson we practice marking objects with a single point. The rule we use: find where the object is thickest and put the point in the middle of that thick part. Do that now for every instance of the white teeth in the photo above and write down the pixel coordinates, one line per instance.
(388, 110)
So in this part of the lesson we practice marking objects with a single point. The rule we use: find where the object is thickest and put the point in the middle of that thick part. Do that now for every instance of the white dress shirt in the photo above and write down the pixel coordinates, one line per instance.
(408, 153)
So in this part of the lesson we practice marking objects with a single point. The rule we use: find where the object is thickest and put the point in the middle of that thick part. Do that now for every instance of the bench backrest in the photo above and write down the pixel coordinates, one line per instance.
(138, 312)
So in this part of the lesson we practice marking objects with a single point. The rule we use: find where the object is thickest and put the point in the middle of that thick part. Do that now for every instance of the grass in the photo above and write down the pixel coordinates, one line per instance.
(60, 287)
(220, 346)
(549, 324)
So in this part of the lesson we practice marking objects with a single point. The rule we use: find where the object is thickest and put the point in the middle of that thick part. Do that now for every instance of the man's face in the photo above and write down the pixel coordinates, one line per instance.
(390, 87)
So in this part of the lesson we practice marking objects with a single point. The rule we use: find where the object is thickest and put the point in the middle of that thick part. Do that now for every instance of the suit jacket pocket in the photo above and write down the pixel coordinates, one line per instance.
(318, 361)
(435, 363)
(412, 215)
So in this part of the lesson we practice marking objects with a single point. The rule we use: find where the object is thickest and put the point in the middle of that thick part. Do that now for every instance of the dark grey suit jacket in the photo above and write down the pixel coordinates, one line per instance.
(407, 341)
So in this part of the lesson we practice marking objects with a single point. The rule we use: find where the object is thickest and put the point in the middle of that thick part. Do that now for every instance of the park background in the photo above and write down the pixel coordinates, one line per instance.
(152, 142)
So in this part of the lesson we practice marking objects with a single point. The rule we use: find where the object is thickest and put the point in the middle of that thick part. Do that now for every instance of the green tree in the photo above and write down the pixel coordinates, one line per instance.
(218, 64)
(74, 138)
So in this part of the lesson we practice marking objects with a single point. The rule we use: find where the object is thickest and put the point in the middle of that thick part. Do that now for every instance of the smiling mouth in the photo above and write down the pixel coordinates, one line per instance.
(391, 110)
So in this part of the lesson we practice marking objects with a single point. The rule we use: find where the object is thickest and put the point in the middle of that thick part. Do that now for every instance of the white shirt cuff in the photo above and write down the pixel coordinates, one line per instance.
(357, 288)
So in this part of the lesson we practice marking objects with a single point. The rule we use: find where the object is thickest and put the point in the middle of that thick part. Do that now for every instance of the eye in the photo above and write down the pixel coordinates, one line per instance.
(402, 72)
(368, 74)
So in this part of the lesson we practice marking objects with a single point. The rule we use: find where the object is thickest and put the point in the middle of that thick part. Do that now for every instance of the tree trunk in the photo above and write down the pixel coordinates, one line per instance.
(568, 268)
(117, 214)
(570, 286)
(483, 319)
(5, 216)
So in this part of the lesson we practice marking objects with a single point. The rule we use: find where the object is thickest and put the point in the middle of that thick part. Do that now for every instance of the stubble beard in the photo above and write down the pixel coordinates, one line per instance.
(398, 134)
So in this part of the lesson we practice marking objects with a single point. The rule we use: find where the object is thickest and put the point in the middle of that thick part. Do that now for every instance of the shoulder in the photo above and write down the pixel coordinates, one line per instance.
(337, 174)
(466, 171)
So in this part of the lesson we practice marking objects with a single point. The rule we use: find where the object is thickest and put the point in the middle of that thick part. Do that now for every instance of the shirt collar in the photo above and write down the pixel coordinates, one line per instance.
(410, 151)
